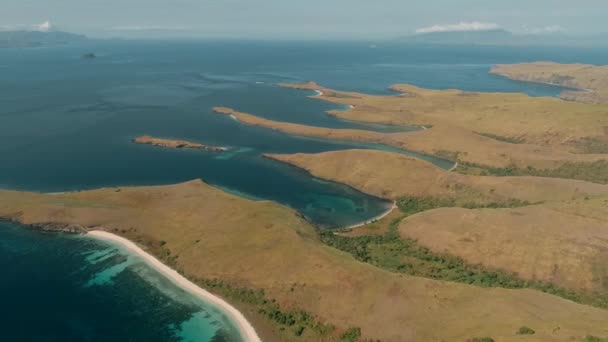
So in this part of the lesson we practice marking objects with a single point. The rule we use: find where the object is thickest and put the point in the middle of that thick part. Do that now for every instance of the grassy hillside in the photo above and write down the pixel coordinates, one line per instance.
(589, 82)
(538, 242)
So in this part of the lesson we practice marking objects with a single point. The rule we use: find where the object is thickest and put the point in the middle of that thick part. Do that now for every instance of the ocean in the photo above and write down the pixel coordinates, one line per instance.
(66, 123)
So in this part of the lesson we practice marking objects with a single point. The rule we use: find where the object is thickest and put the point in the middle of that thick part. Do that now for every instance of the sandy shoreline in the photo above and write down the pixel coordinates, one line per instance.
(453, 167)
(379, 217)
(318, 93)
(245, 328)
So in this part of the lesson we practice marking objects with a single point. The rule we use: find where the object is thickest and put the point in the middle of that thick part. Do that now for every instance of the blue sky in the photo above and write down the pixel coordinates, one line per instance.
(310, 18)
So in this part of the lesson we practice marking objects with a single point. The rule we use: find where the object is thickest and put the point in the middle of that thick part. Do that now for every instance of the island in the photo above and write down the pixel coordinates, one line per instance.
(160, 142)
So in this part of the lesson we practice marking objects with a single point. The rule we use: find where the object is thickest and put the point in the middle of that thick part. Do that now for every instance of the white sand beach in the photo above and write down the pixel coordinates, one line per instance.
(379, 217)
(453, 167)
(245, 328)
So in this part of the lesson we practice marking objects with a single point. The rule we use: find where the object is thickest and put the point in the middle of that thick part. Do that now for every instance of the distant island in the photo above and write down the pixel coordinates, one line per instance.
(28, 39)
(89, 55)
(160, 142)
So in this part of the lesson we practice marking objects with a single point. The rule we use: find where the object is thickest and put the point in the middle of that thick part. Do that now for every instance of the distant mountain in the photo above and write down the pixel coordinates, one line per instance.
(12, 39)
(463, 37)
(500, 37)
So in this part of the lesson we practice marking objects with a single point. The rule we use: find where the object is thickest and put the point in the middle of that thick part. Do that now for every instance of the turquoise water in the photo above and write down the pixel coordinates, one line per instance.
(66, 124)
(59, 287)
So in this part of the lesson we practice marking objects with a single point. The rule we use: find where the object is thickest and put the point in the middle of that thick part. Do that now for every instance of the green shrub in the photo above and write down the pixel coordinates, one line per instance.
(351, 335)
(401, 255)
(595, 339)
(596, 171)
(481, 339)
(298, 319)
(525, 331)
(510, 140)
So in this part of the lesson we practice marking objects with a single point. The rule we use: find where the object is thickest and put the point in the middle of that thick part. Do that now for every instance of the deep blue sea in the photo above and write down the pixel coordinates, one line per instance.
(66, 123)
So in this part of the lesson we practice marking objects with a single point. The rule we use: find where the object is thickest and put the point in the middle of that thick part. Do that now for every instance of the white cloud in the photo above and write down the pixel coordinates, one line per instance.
(148, 28)
(460, 27)
(543, 30)
(44, 27)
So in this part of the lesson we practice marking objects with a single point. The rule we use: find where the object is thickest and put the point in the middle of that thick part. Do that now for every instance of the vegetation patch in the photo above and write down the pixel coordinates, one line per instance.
(481, 339)
(391, 252)
(296, 321)
(592, 145)
(351, 335)
(595, 339)
(596, 172)
(510, 140)
(414, 205)
(525, 331)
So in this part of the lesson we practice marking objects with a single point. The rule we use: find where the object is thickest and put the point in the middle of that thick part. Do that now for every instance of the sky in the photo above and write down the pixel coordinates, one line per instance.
(303, 19)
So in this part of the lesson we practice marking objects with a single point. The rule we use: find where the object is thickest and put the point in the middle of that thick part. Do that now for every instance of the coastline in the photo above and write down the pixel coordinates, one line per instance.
(374, 219)
(453, 167)
(564, 87)
(245, 328)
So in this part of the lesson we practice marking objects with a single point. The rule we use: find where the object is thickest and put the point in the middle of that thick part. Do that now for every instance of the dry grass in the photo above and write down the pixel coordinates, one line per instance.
(544, 242)
(460, 144)
(211, 234)
(537, 242)
(392, 175)
(536, 120)
(589, 81)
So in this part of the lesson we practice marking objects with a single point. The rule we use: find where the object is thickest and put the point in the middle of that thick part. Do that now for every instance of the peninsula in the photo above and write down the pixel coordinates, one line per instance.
(160, 142)
(585, 83)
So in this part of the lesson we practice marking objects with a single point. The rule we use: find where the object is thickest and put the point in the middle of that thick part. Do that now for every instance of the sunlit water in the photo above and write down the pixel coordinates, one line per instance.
(66, 124)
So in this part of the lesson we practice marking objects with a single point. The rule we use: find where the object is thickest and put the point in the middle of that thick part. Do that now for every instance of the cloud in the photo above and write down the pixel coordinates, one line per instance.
(148, 28)
(44, 27)
(460, 27)
(543, 30)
